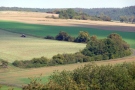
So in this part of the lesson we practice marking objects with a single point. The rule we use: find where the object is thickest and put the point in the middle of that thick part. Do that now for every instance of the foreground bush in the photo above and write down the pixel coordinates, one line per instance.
(92, 77)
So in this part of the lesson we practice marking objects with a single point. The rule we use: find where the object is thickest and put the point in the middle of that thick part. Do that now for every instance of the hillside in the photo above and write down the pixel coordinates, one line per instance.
(14, 47)
(114, 13)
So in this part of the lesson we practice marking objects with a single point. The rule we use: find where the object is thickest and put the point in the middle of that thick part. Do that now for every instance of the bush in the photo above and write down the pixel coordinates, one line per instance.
(49, 37)
(83, 37)
(91, 77)
(4, 64)
(35, 62)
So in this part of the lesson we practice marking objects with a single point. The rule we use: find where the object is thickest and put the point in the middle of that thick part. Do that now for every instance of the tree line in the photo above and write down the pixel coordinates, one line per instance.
(83, 37)
(92, 13)
(72, 14)
(96, 49)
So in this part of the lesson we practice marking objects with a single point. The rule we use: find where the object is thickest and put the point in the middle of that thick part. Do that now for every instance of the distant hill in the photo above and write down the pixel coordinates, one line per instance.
(114, 13)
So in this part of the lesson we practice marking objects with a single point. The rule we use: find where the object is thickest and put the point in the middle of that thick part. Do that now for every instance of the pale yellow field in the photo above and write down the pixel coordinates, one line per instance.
(14, 47)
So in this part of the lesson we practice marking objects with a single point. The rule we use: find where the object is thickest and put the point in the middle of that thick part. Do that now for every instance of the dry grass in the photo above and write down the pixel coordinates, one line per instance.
(39, 18)
(14, 47)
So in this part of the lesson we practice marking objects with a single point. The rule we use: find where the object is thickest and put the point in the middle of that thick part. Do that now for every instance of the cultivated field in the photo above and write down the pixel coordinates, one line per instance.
(14, 47)
(44, 30)
(39, 18)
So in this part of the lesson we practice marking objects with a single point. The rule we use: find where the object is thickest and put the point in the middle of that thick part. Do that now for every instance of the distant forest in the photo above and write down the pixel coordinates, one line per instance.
(113, 13)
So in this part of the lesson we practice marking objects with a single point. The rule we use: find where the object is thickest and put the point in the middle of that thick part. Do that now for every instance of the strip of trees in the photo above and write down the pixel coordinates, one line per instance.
(127, 19)
(71, 14)
(83, 37)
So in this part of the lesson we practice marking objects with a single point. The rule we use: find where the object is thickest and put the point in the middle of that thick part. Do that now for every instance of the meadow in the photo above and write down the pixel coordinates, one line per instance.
(14, 47)
(44, 30)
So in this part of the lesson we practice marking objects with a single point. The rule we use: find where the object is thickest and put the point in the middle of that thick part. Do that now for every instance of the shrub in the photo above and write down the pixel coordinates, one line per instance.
(49, 37)
(4, 64)
(83, 37)
(91, 77)
(35, 62)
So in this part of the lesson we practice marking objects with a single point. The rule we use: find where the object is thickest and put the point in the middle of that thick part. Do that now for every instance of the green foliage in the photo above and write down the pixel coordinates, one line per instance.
(69, 59)
(71, 14)
(92, 77)
(63, 36)
(59, 59)
(127, 19)
(112, 47)
(35, 62)
(49, 37)
(35, 84)
(3, 63)
(83, 37)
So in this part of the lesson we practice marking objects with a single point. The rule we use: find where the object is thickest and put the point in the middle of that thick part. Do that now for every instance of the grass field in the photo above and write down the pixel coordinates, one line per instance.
(4, 87)
(44, 30)
(14, 47)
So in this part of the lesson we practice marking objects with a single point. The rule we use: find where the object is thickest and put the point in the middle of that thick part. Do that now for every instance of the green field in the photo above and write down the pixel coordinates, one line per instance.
(14, 47)
(44, 30)
(9, 88)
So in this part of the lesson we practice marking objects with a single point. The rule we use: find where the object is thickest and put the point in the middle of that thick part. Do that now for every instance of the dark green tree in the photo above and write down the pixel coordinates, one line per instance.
(111, 47)
(62, 36)
(83, 37)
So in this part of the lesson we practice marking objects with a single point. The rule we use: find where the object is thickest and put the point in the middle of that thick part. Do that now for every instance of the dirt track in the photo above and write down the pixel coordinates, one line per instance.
(39, 18)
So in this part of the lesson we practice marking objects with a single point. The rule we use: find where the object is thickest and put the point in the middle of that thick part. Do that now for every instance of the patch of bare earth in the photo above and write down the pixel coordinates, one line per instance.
(40, 18)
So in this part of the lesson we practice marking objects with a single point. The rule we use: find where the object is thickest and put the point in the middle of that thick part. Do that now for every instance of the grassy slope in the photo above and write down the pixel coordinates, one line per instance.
(44, 30)
(14, 47)
(9, 88)
(20, 76)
